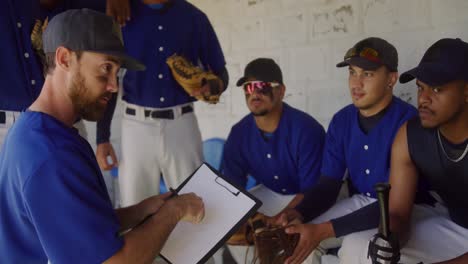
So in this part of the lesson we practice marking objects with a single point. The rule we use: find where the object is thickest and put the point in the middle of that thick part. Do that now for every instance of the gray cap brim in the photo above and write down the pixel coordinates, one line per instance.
(128, 62)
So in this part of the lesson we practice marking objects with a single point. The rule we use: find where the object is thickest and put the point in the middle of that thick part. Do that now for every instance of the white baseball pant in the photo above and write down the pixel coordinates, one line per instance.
(155, 146)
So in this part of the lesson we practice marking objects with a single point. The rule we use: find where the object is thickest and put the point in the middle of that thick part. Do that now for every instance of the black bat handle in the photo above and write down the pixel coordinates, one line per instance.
(383, 190)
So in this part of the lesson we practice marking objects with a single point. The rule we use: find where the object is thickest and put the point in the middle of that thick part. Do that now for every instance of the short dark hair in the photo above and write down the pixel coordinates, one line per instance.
(49, 61)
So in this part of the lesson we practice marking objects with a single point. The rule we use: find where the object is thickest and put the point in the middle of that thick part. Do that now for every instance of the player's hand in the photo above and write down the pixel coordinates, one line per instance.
(211, 87)
(286, 217)
(205, 89)
(119, 10)
(152, 204)
(190, 207)
(310, 237)
(384, 250)
(103, 151)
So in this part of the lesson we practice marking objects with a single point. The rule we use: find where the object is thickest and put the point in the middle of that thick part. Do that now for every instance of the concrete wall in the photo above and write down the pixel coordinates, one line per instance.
(307, 38)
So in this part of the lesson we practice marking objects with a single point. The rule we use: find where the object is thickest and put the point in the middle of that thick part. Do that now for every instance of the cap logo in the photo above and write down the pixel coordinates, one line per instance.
(367, 53)
(370, 54)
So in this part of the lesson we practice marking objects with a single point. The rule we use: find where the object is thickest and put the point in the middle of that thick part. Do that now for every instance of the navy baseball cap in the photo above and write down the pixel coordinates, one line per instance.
(87, 30)
(445, 61)
(370, 54)
(262, 69)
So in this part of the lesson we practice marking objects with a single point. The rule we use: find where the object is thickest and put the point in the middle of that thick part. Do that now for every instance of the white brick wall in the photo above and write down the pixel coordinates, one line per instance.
(307, 38)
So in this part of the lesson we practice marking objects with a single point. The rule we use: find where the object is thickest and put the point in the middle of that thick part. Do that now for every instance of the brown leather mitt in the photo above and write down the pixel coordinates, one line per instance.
(244, 235)
(193, 78)
(272, 244)
(36, 36)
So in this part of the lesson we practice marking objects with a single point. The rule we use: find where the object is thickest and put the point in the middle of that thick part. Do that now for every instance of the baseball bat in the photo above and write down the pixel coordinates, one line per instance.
(382, 190)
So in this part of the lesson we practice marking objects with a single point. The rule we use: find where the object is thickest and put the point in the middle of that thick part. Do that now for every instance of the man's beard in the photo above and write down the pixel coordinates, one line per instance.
(260, 113)
(85, 105)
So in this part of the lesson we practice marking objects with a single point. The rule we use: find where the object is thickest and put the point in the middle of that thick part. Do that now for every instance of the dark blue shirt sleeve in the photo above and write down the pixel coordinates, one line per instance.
(103, 126)
(234, 165)
(224, 76)
(310, 157)
(67, 202)
(334, 162)
(211, 54)
(362, 219)
(319, 198)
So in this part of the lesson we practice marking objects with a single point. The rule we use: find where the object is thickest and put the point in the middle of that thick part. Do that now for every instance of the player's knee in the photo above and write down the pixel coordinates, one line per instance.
(354, 248)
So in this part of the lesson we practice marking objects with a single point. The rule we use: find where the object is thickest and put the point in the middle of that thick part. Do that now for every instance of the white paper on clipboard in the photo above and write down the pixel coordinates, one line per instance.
(225, 207)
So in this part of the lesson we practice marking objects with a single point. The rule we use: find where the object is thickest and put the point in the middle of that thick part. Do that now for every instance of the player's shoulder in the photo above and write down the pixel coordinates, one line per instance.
(403, 105)
(400, 111)
(190, 8)
(301, 119)
(345, 114)
(40, 132)
(244, 124)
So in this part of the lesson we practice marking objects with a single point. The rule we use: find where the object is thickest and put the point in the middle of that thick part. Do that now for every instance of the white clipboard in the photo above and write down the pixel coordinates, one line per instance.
(227, 207)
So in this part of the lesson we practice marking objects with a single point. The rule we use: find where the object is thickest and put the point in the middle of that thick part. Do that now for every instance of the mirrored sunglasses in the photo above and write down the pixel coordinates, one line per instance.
(259, 87)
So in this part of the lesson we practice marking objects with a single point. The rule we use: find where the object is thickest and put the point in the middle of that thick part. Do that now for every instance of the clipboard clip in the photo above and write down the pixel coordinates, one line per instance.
(226, 186)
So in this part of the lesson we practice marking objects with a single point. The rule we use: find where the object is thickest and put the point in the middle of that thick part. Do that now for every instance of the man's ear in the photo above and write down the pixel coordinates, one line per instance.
(393, 78)
(63, 58)
(282, 90)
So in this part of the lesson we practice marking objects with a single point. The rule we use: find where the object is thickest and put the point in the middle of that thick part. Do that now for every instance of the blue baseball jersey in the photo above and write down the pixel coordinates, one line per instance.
(288, 162)
(53, 198)
(152, 35)
(365, 156)
(21, 77)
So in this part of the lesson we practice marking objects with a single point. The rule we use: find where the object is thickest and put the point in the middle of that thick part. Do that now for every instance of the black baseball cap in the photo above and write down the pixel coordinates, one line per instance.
(370, 54)
(87, 30)
(445, 61)
(262, 69)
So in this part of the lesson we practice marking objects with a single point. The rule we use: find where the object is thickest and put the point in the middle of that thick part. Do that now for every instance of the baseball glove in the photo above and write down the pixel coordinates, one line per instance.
(193, 78)
(272, 244)
(36, 36)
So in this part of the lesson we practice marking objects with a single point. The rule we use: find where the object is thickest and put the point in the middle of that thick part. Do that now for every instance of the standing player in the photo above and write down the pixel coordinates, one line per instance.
(433, 147)
(21, 75)
(55, 207)
(358, 141)
(160, 133)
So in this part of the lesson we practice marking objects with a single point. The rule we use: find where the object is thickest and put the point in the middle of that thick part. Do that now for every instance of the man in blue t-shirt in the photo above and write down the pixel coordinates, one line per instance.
(160, 133)
(278, 145)
(358, 142)
(54, 202)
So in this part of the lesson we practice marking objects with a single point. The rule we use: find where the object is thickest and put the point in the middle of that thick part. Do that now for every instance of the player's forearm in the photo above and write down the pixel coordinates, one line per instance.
(130, 216)
(400, 226)
(144, 243)
(295, 201)
(103, 126)
(319, 198)
(463, 259)
(362, 219)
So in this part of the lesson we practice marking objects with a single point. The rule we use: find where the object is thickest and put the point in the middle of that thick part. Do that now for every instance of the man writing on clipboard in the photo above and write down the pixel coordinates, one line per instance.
(55, 206)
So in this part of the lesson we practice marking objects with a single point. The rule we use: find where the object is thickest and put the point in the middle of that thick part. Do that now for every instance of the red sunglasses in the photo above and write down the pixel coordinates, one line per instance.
(259, 87)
